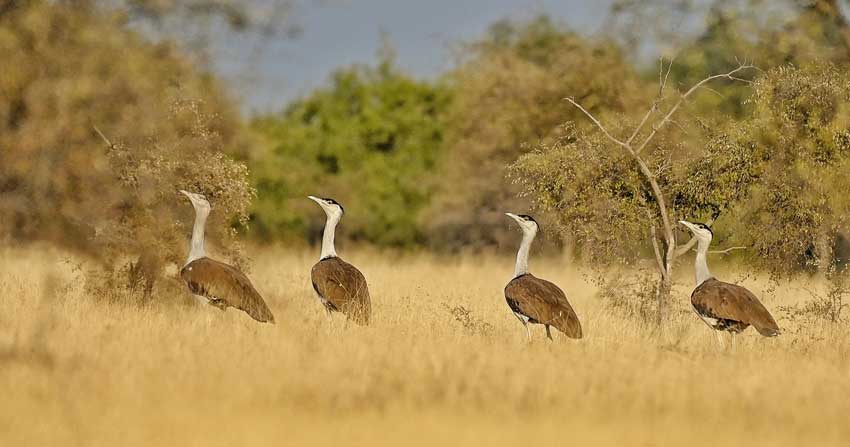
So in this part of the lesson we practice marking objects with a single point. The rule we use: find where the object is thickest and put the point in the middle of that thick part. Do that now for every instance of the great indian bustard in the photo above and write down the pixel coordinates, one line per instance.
(340, 286)
(534, 300)
(216, 283)
(723, 306)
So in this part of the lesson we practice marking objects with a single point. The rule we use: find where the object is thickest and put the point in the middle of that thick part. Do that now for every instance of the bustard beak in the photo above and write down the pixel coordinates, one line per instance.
(687, 224)
(316, 199)
(186, 193)
(512, 216)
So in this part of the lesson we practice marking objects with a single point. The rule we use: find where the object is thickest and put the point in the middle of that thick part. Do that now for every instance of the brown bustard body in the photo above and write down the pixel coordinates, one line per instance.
(214, 282)
(721, 305)
(338, 284)
(534, 300)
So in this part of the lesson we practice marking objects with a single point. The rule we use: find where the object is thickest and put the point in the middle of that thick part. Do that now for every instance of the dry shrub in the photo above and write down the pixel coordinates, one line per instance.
(824, 309)
(148, 221)
(632, 294)
(508, 98)
(471, 323)
(68, 68)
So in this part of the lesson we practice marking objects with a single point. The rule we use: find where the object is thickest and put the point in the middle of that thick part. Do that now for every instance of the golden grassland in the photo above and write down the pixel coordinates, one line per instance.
(80, 370)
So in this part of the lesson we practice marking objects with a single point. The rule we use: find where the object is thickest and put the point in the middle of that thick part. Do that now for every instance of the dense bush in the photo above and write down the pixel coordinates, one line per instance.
(509, 96)
(800, 134)
(69, 67)
(371, 140)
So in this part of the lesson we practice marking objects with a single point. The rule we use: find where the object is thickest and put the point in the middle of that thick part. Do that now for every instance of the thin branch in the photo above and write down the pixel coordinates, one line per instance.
(598, 124)
(660, 75)
(669, 237)
(662, 84)
(724, 251)
(728, 250)
(719, 95)
(657, 250)
(684, 131)
(669, 67)
(643, 122)
(735, 78)
(106, 140)
(730, 75)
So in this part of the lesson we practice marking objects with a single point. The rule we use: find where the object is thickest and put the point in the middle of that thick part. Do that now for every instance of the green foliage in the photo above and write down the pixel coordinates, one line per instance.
(594, 191)
(720, 177)
(766, 33)
(371, 140)
(800, 133)
(776, 177)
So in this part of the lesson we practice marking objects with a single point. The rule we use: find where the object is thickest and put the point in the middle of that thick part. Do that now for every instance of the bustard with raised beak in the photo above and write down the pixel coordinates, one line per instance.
(339, 285)
(534, 300)
(216, 283)
(721, 305)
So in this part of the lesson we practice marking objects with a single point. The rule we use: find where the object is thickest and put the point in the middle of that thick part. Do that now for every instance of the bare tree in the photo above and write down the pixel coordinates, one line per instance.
(647, 206)
(634, 145)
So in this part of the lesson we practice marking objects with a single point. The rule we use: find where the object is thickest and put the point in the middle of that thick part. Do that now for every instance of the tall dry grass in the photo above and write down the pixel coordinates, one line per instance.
(443, 363)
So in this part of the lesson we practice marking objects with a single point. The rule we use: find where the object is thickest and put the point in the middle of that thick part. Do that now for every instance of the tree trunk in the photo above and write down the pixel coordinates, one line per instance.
(662, 300)
(824, 251)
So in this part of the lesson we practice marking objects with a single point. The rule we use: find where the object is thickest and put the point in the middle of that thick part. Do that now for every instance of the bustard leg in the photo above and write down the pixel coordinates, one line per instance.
(549, 334)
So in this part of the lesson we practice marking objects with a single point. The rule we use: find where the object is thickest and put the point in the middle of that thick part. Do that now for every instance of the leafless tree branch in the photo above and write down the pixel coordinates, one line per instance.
(642, 122)
(666, 76)
(728, 250)
(672, 252)
(106, 140)
(658, 259)
(598, 124)
(719, 95)
(730, 75)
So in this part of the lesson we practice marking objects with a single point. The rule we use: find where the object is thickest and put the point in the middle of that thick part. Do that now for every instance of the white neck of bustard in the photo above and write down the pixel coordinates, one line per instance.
(522, 254)
(328, 250)
(196, 249)
(701, 263)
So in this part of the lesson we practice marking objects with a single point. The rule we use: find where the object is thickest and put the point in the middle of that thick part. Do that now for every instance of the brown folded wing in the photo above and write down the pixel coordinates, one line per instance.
(343, 287)
(721, 300)
(544, 303)
(218, 281)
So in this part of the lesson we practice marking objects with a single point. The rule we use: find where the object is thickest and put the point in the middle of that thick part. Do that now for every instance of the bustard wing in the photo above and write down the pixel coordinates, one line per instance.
(718, 299)
(543, 302)
(218, 281)
(343, 287)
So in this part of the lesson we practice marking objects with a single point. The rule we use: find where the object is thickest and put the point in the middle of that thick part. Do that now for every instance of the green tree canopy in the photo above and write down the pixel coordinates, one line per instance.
(370, 140)
(799, 137)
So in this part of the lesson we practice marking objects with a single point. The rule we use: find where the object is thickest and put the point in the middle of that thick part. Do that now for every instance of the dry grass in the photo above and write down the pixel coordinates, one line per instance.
(75, 370)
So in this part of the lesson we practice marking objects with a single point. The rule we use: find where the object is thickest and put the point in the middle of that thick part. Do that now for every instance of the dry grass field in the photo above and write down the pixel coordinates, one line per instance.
(76, 370)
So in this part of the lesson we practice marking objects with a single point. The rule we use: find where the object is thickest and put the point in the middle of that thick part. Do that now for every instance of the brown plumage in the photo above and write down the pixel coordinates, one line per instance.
(729, 307)
(542, 302)
(225, 287)
(342, 288)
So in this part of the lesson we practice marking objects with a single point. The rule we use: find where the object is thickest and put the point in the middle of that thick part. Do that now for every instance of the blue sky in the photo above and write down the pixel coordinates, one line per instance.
(337, 33)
